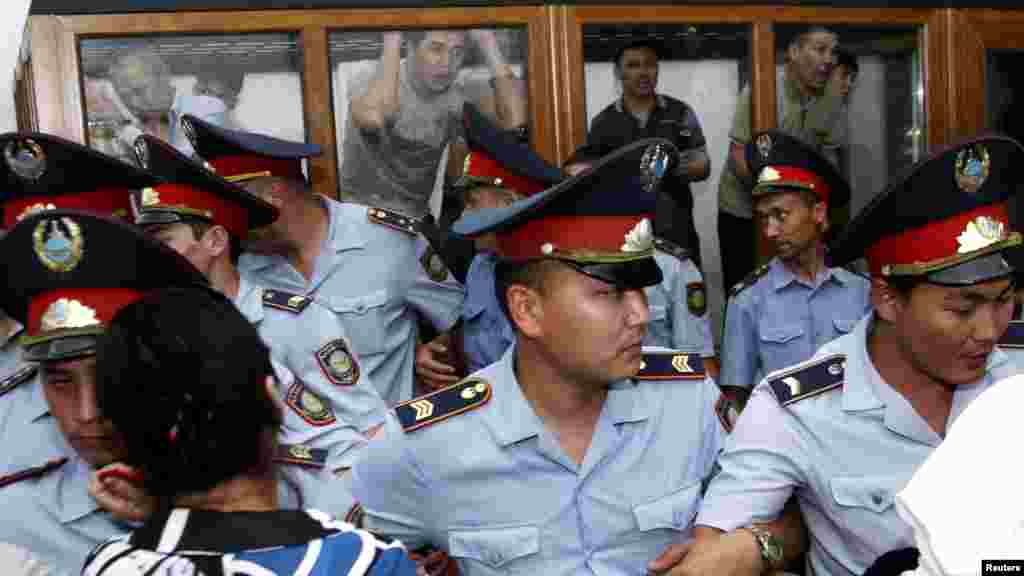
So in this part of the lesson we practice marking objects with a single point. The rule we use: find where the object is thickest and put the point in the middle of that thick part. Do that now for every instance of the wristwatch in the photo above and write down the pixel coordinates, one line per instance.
(771, 547)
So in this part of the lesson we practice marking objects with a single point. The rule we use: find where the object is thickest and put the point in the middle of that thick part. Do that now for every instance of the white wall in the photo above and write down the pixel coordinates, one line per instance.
(12, 26)
(710, 87)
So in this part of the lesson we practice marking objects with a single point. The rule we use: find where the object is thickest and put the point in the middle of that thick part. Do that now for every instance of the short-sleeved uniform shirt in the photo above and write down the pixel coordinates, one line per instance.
(493, 488)
(782, 319)
(368, 275)
(678, 308)
(486, 332)
(844, 453)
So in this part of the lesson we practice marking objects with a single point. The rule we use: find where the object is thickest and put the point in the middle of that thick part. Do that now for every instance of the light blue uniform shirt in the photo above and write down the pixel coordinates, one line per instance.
(781, 320)
(486, 331)
(493, 488)
(368, 276)
(844, 453)
(673, 324)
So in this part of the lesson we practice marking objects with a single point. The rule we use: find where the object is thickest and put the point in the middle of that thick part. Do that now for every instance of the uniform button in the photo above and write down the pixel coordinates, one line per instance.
(877, 499)
(360, 308)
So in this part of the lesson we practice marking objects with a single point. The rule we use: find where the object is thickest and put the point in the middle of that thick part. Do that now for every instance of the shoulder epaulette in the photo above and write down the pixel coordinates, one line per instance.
(301, 455)
(671, 366)
(394, 220)
(19, 377)
(1013, 338)
(750, 280)
(34, 472)
(809, 378)
(286, 301)
(443, 404)
(672, 248)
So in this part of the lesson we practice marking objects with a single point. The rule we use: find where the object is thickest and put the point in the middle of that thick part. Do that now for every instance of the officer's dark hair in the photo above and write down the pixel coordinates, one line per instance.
(648, 43)
(904, 285)
(200, 227)
(181, 374)
(801, 38)
(531, 274)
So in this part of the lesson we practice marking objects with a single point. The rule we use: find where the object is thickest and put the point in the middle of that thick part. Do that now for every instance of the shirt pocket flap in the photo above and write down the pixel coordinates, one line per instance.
(358, 305)
(674, 511)
(494, 547)
(657, 311)
(844, 325)
(875, 493)
(781, 333)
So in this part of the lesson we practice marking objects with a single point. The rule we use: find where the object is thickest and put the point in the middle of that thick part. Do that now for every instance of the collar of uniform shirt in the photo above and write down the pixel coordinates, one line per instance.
(660, 102)
(514, 419)
(782, 276)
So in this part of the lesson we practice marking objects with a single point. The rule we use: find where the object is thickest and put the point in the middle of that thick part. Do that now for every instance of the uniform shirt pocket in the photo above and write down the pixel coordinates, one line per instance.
(674, 511)
(494, 548)
(363, 321)
(874, 493)
(780, 333)
(844, 325)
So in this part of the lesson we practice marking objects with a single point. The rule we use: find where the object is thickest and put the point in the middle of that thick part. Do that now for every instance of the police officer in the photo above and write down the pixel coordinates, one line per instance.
(845, 430)
(331, 402)
(205, 364)
(498, 171)
(787, 309)
(358, 261)
(67, 287)
(578, 450)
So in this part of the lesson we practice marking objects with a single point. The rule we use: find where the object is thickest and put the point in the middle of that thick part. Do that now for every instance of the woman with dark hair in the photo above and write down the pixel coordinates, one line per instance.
(188, 382)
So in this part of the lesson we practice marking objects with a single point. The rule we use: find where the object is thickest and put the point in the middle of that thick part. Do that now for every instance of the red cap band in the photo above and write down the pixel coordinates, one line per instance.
(481, 165)
(84, 308)
(111, 201)
(228, 166)
(585, 235)
(792, 177)
(932, 242)
(176, 196)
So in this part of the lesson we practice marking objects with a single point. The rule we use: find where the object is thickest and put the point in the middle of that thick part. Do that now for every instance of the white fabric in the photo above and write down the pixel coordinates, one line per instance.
(17, 561)
(964, 503)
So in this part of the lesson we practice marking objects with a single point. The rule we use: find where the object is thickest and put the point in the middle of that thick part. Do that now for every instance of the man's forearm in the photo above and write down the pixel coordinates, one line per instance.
(380, 101)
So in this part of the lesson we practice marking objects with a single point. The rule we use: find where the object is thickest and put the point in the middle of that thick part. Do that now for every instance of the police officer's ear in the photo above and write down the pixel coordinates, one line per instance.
(525, 309)
(889, 301)
(819, 210)
(216, 240)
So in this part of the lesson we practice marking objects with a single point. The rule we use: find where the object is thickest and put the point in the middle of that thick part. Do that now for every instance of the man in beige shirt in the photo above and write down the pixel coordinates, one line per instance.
(810, 108)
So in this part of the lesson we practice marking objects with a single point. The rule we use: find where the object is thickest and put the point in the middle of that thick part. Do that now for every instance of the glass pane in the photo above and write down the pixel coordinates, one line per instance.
(871, 123)
(398, 98)
(135, 85)
(704, 66)
(1005, 92)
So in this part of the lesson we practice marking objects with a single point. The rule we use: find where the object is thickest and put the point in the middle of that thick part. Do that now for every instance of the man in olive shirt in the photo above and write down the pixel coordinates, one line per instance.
(810, 108)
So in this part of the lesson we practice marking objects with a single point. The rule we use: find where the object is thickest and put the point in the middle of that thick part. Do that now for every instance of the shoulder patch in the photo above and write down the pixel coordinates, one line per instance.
(337, 363)
(20, 376)
(809, 378)
(308, 405)
(301, 455)
(1013, 338)
(432, 408)
(696, 299)
(433, 265)
(286, 301)
(671, 366)
(34, 472)
(750, 280)
(393, 220)
(672, 248)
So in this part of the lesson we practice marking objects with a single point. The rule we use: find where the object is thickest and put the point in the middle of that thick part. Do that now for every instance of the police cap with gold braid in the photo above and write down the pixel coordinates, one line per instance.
(239, 156)
(598, 221)
(75, 270)
(189, 191)
(781, 163)
(44, 172)
(947, 221)
(497, 158)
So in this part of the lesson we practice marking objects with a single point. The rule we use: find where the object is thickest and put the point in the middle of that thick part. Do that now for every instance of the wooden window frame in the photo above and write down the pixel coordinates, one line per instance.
(58, 82)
